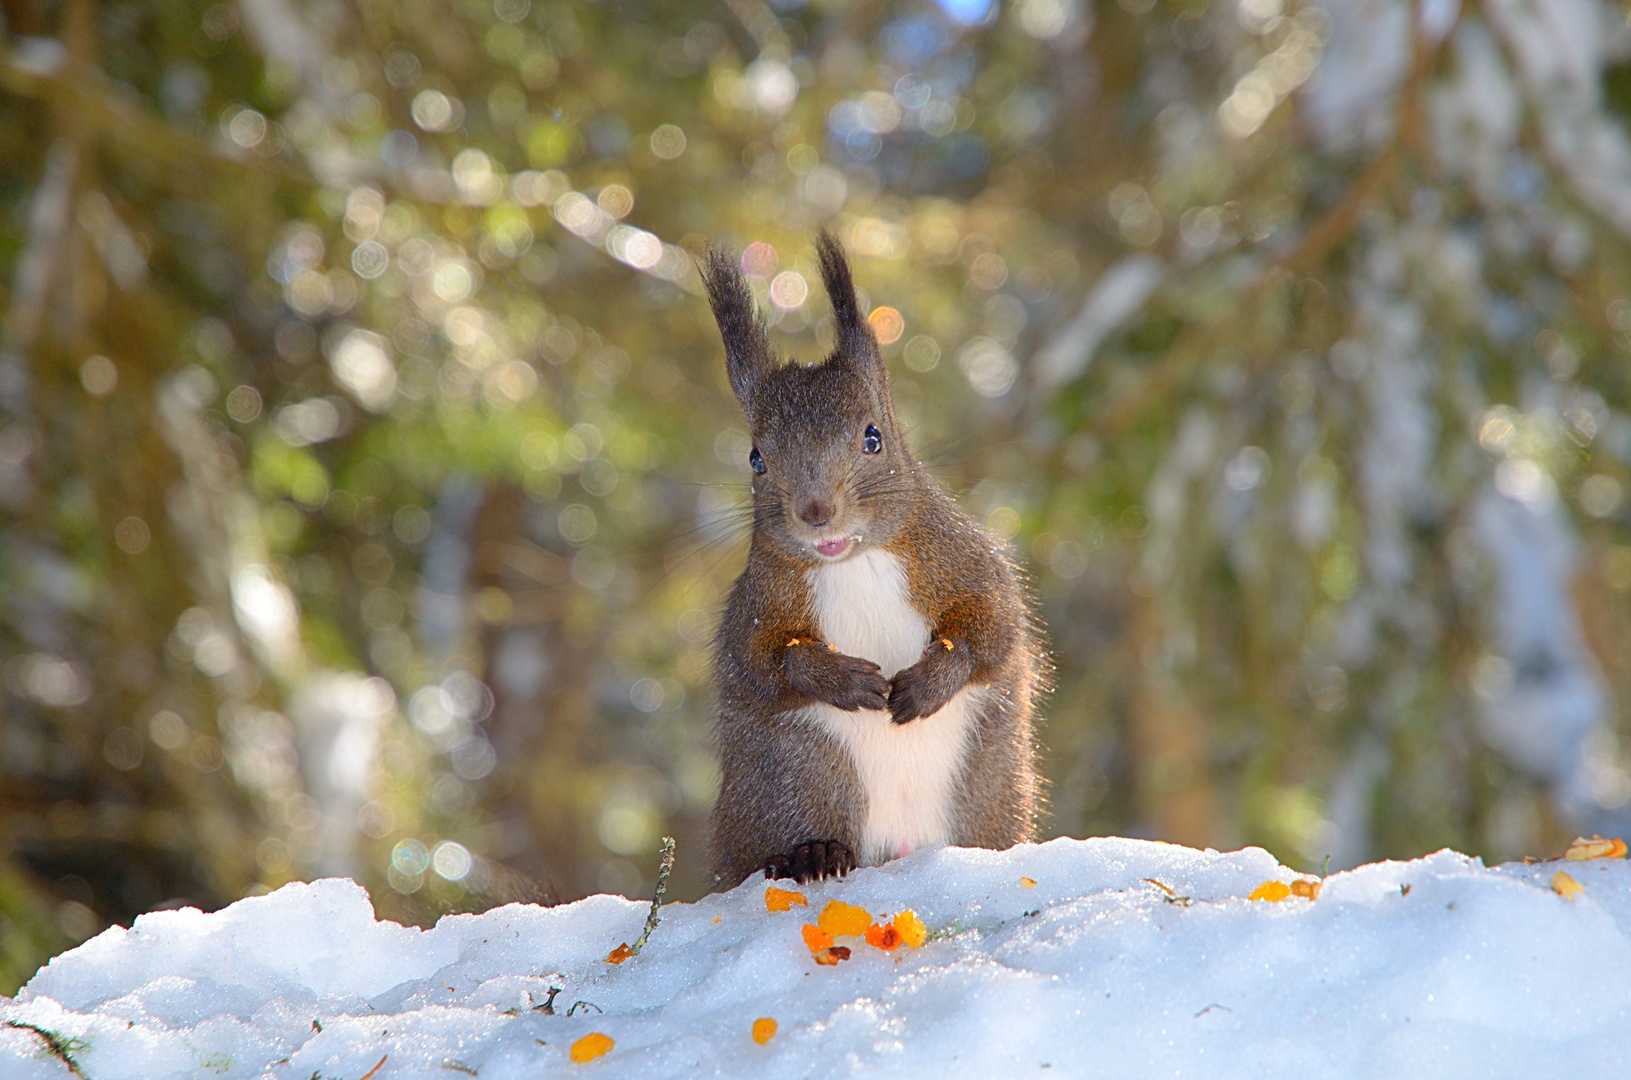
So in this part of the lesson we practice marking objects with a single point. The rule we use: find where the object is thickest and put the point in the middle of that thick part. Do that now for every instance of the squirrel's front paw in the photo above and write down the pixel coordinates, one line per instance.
(847, 682)
(924, 688)
(810, 861)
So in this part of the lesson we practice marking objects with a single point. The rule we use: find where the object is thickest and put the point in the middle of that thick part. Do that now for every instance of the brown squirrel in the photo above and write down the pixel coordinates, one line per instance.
(877, 661)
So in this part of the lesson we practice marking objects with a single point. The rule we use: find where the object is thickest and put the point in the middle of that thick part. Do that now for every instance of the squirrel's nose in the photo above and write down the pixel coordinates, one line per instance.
(815, 513)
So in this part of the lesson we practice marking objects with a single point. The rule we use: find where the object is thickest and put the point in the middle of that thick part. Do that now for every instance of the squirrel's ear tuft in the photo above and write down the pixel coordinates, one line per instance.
(855, 341)
(747, 344)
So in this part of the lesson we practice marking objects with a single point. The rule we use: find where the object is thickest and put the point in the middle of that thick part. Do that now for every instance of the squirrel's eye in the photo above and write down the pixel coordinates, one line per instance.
(873, 442)
(756, 461)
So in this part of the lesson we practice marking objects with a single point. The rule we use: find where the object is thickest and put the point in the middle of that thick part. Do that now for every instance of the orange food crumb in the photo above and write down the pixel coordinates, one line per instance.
(619, 954)
(1271, 890)
(1028, 882)
(1307, 888)
(910, 928)
(783, 899)
(591, 1046)
(844, 920)
(816, 938)
(1595, 848)
(718, 917)
(764, 1029)
(830, 956)
(886, 938)
(1565, 886)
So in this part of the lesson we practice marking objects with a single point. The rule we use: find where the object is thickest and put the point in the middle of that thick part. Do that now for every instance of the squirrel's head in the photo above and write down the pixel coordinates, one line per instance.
(832, 472)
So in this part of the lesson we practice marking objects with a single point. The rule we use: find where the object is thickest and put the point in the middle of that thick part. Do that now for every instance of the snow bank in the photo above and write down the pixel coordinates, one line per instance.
(1434, 967)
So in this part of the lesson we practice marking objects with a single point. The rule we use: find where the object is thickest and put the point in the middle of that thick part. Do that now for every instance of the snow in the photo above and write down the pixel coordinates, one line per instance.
(1438, 967)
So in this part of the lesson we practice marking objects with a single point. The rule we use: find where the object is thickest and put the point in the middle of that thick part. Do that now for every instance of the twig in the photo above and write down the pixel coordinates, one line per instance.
(1170, 895)
(61, 1045)
(657, 898)
(377, 1067)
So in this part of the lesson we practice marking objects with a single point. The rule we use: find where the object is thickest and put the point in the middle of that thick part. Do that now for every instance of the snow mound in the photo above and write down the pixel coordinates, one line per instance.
(1057, 959)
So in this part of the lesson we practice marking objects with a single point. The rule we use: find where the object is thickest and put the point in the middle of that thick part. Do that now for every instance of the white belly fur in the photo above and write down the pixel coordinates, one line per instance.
(908, 771)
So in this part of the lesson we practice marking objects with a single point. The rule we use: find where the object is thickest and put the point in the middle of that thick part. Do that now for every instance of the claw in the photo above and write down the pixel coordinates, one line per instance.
(811, 861)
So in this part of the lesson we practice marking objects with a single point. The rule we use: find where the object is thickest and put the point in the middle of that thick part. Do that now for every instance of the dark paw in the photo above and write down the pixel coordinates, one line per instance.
(847, 682)
(810, 861)
(860, 685)
(924, 688)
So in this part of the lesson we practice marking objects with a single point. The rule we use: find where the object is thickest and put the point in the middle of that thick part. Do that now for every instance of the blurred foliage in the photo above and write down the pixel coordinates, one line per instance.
(370, 478)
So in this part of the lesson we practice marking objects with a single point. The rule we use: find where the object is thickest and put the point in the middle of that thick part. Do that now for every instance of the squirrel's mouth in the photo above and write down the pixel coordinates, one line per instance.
(835, 547)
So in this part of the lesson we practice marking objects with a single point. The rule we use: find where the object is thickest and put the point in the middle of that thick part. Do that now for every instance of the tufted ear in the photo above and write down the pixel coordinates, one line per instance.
(855, 341)
(747, 344)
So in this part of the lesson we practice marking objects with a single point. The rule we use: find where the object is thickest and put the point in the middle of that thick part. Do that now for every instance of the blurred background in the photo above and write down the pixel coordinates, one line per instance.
(367, 466)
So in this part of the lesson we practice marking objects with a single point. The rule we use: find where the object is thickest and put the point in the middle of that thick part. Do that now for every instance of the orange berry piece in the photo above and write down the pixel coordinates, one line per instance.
(764, 1029)
(591, 1046)
(844, 920)
(886, 938)
(1595, 848)
(783, 899)
(1027, 882)
(619, 954)
(1307, 888)
(1565, 886)
(910, 928)
(830, 956)
(1271, 891)
(816, 938)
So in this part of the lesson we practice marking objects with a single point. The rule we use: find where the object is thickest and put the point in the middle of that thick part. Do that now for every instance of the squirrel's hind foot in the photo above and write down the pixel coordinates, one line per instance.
(811, 861)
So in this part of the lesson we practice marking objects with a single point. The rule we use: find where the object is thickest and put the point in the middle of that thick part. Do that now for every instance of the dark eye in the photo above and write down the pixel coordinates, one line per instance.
(756, 461)
(873, 442)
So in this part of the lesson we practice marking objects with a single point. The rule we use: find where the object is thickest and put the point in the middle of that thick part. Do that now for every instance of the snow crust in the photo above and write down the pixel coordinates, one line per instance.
(1435, 967)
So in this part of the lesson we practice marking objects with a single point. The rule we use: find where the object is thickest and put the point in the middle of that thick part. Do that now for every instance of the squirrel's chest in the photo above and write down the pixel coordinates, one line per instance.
(908, 772)
(863, 607)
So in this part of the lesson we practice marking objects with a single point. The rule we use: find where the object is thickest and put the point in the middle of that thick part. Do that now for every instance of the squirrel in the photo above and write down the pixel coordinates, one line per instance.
(877, 661)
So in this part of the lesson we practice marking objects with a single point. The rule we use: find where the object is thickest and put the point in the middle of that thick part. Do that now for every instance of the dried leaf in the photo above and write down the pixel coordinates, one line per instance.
(910, 928)
(619, 954)
(1307, 888)
(830, 956)
(844, 920)
(1565, 886)
(783, 899)
(764, 1029)
(816, 938)
(1271, 890)
(1027, 883)
(1595, 848)
(591, 1046)
(886, 938)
